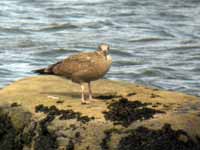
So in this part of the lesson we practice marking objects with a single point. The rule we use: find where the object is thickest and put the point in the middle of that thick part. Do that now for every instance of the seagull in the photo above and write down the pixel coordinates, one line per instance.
(83, 67)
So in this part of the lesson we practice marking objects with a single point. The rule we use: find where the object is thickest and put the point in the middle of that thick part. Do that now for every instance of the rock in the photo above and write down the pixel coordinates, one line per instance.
(45, 112)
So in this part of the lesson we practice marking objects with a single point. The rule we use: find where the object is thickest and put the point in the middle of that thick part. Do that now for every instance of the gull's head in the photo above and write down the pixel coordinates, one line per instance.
(104, 48)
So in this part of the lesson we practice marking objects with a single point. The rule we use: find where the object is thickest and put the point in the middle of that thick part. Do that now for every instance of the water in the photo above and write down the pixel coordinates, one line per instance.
(155, 43)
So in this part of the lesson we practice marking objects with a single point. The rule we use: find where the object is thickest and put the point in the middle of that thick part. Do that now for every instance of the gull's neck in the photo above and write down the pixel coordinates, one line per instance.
(106, 56)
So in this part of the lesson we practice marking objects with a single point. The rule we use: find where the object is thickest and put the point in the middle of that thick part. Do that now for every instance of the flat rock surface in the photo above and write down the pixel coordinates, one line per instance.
(45, 112)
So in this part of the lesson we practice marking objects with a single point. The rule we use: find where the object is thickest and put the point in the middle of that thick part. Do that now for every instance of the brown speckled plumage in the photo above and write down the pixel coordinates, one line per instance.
(82, 67)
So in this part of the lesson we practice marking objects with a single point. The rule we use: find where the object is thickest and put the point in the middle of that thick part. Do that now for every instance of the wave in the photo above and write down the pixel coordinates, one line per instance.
(121, 53)
(125, 63)
(13, 30)
(148, 39)
(55, 26)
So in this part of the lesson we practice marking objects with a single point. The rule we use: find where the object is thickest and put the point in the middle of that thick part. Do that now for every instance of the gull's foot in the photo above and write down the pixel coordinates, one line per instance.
(85, 102)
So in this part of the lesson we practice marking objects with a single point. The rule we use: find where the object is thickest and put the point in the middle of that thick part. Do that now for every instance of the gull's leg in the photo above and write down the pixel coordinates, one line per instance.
(83, 101)
(90, 91)
(82, 94)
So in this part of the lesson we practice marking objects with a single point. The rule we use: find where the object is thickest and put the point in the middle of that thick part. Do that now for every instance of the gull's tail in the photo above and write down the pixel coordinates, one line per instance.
(49, 70)
(42, 71)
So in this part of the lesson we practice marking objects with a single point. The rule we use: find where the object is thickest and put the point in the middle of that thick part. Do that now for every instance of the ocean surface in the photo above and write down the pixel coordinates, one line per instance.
(153, 42)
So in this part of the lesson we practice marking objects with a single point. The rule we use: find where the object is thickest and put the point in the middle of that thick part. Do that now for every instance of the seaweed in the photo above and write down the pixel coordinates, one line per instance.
(165, 138)
(70, 145)
(8, 135)
(59, 101)
(107, 96)
(105, 141)
(131, 94)
(104, 144)
(125, 112)
(154, 95)
(15, 104)
(63, 114)
(45, 140)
